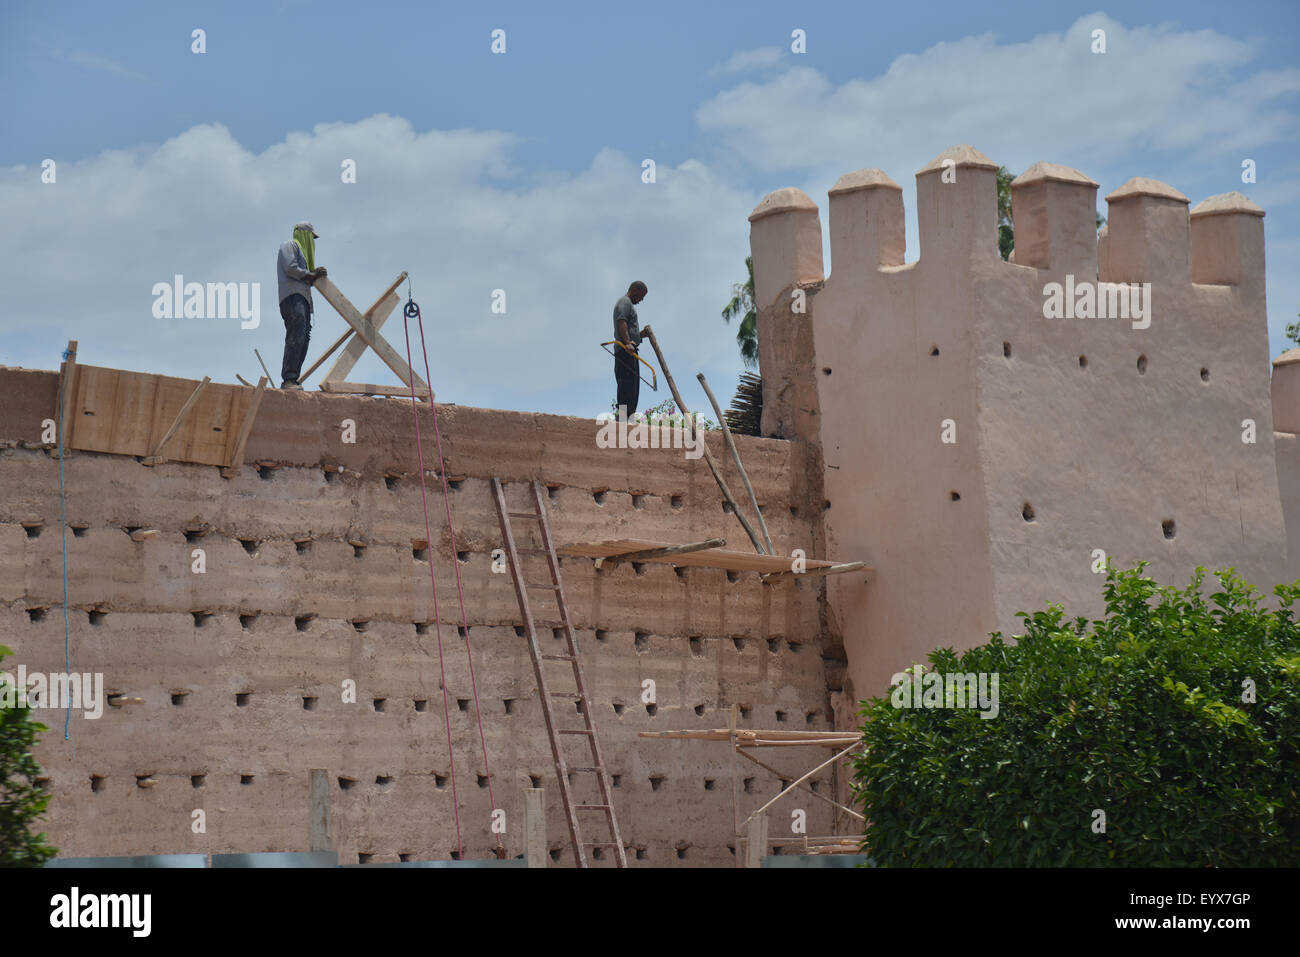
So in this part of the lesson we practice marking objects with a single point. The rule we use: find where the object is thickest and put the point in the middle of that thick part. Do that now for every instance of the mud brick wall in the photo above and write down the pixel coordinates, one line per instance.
(316, 573)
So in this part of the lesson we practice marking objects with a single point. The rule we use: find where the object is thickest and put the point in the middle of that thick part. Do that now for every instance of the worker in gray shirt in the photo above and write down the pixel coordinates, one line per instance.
(296, 271)
(627, 330)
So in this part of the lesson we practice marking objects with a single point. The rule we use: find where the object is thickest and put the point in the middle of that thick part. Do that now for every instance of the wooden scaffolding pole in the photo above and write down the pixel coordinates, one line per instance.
(735, 455)
(689, 423)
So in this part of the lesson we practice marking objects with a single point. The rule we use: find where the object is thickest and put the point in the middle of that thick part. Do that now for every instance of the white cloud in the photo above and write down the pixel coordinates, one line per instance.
(97, 61)
(743, 61)
(451, 207)
(1047, 98)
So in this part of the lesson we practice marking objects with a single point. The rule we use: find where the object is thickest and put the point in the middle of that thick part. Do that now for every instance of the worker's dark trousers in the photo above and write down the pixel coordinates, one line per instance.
(296, 312)
(628, 378)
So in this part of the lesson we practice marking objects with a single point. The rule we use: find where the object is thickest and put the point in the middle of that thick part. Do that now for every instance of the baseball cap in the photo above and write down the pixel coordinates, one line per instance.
(309, 227)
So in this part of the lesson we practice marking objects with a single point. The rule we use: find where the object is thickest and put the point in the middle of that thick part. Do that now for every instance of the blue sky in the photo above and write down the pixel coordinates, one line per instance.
(522, 171)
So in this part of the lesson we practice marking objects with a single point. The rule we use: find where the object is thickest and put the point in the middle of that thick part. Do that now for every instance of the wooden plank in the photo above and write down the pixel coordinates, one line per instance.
(367, 388)
(203, 436)
(746, 736)
(374, 315)
(67, 417)
(706, 558)
(236, 459)
(320, 834)
(368, 332)
(180, 417)
(94, 399)
(535, 827)
(234, 419)
(756, 845)
(377, 314)
(827, 569)
(665, 551)
(132, 413)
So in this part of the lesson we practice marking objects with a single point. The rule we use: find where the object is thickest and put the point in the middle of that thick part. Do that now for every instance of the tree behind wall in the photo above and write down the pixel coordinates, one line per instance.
(1166, 734)
(742, 304)
(22, 800)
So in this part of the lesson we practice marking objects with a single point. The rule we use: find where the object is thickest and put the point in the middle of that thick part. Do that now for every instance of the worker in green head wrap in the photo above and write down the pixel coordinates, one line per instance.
(297, 270)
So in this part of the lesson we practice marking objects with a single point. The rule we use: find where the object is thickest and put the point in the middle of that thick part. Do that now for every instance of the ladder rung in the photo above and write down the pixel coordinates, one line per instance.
(532, 515)
(550, 623)
(576, 695)
(584, 769)
(599, 844)
(591, 807)
(558, 658)
(541, 585)
(574, 731)
(532, 551)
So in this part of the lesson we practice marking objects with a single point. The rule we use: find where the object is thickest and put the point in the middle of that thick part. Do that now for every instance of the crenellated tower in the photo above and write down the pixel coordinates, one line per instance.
(990, 430)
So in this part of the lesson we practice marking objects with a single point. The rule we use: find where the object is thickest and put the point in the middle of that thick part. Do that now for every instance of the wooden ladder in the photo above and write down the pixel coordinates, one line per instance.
(579, 694)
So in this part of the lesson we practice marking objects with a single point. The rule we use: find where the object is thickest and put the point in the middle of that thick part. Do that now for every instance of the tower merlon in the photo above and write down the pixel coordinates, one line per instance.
(1054, 209)
(1228, 242)
(1285, 392)
(785, 240)
(957, 207)
(1148, 235)
(868, 228)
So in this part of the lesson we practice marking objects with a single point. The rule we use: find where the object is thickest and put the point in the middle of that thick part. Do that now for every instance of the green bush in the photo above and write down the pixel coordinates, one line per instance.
(1142, 715)
(21, 799)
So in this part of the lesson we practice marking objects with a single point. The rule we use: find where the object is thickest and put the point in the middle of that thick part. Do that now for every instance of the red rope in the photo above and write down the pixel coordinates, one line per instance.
(412, 309)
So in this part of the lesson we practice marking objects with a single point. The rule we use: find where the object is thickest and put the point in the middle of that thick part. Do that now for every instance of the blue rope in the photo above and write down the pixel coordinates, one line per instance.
(63, 523)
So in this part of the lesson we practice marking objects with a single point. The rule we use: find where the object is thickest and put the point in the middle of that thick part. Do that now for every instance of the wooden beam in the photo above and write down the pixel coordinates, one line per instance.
(367, 388)
(663, 552)
(831, 760)
(704, 447)
(180, 417)
(65, 425)
(368, 332)
(377, 313)
(780, 775)
(756, 845)
(735, 455)
(826, 570)
(320, 834)
(236, 459)
(243, 380)
(534, 827)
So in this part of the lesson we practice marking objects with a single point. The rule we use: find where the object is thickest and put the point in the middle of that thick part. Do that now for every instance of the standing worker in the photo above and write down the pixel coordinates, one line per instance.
(297, 270)
(628, 332)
